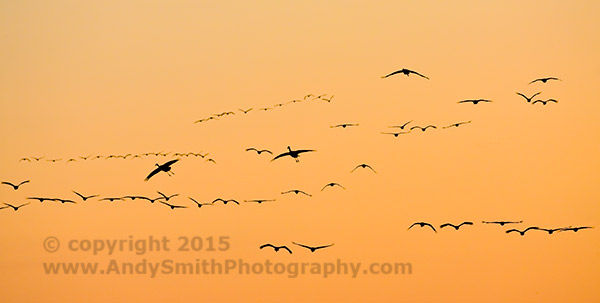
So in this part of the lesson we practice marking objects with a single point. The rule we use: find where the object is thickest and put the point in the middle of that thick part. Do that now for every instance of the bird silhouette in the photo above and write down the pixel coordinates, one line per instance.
(293, 153)
(313, 248)
(16, 207)
(225, 201)
(166, 167)
(259, 151)
(111, 199)
(502, 223)
(328, 100)
(575, 229)
(71, 160)
(37, 158)
(23, 159)
(528, 98)
(85, 157)
(363, 166)
(423, 128)
(200, 204)
(457, 124)
(41, 199)
(522, 232)
(15, 187)
(53, 160)
(296, 191)
(332, 184)
(544, 102)
(544, 80)
(63, 201)
(343, 125)
(396, 134)
(422, 224)
(150, 199)
(259, 201)
(167, 197)
(85, 197)
(456, 227)
(245, 111)
(400, 126)
(474, 101)
(276, 248)
(550, 230)
(172, 206)
(405, 71)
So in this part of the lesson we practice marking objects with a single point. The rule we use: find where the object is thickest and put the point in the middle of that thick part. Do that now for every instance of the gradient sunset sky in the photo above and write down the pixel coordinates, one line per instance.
(87, 78)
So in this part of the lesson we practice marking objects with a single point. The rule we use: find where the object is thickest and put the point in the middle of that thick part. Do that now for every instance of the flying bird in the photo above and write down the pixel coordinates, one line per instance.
(550, 230)
(328, 100)
(41, 199)
(225, 201)
(53, 160)
(396, 134)
(15, 187)
(167, 197)
(22, 159)
(422, 128)
(276, 248)
(364, 166)
(200, 204)
(474, 101)
(502, 223)
(259, 151)
(456, 227)
(63, 201)
(259, 201)
(575, 229)
(296, 191)
(150, 199)
(85, 197)
(423, 224)
(544, 80)
(166, 167)
(293, 153)
(16, 207)
(405, 71)
(343, 125)
(245, 111)
(313, 248)
(172, 206)
(457, 124)
(400, 126)
(522, 232)
(111, 199)
(544, 102)
(332, 184)
(528, 98)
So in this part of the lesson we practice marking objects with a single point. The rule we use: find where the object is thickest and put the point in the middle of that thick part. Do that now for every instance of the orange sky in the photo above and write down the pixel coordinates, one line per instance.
(107, 77)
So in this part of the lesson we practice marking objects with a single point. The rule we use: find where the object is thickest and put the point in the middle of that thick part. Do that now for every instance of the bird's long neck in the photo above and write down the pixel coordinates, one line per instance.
(289, 149)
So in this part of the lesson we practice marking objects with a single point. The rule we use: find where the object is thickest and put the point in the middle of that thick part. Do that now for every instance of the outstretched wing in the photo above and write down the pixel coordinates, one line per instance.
(302, 245)
(169, 163)
(324, 246)
(154, 172)
(286, 248)
(281, 155)
(266, 245)
(391, 74)
(416, 73)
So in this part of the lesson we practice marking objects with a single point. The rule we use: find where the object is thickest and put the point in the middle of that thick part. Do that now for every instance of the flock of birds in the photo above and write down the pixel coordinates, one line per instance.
(166, 167)
(115, 156)
(308, 97)
(502, 223)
